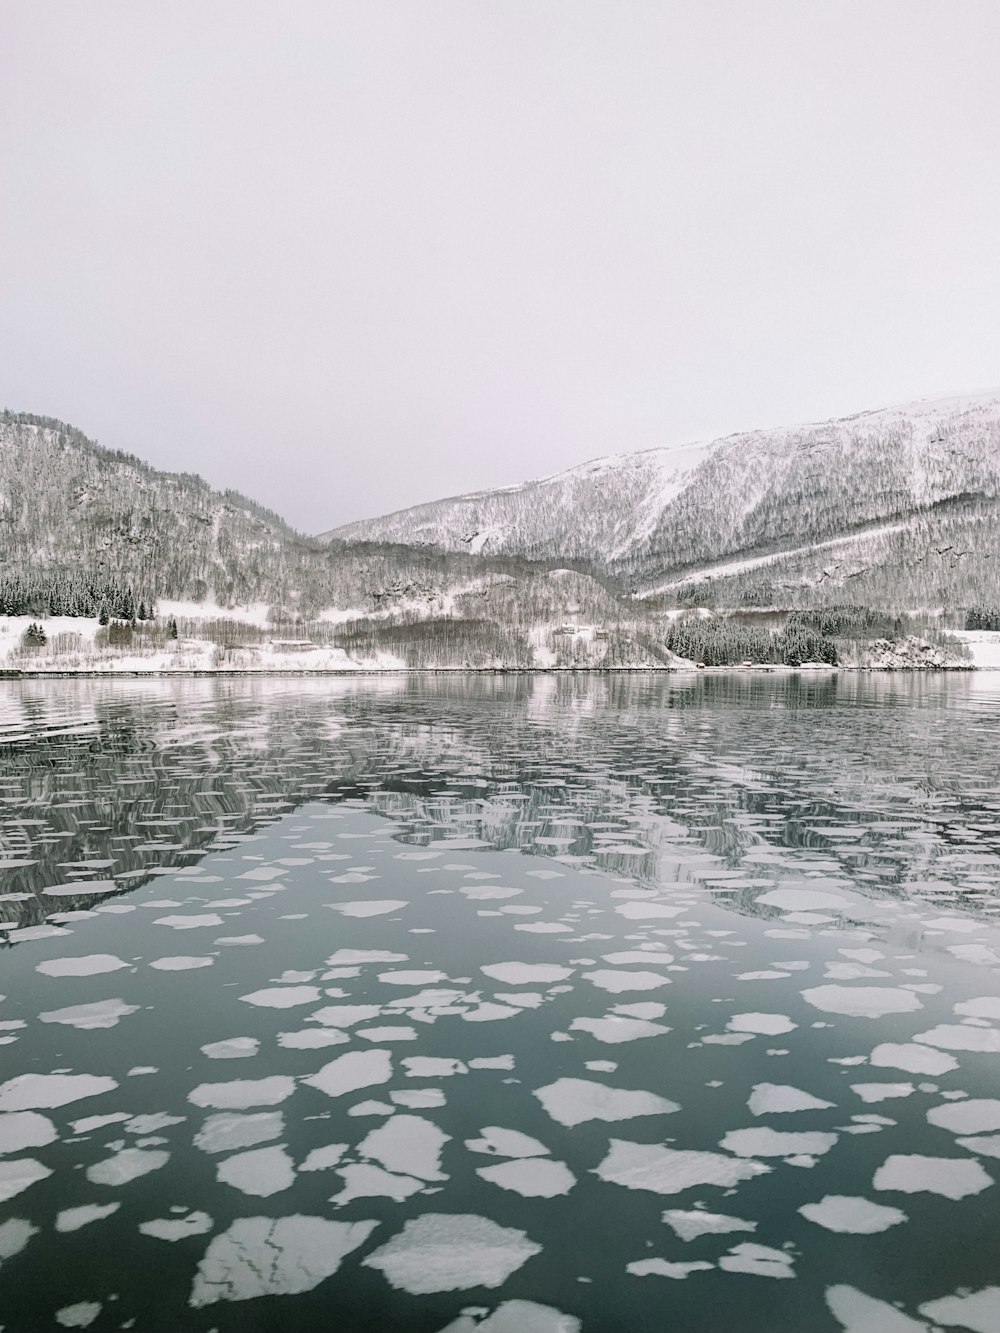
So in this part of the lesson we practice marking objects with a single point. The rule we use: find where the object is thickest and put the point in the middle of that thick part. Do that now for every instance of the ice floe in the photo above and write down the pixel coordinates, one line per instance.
(98, 1014)
(261, 1171)
(407, 1144)
(690, 1224)
(862, 1001)
(760, 1260)
(356, 1069)
(72, 1219)
(973, 1115)
(266, 1256)
(764, 1142)
(86, 965)
(47, 1091)
(18, 1175)
(451, 1252)
(243, 1092)
(912, 1058)
(780, 1099)
(177, 1228)
(851, 1214)
(572, 1101)
(858, 1313)
(648, 1166)
(25, 1129)
(951, 1177)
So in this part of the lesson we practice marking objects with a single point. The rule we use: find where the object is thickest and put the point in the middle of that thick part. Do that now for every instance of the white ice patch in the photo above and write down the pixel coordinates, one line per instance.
(951, 1177)
(19, 1175)
(572, 1101)
(356, 1069)
(88, 965)
(975, 1310)
(407, 1144)
(433, 1066)
(803, 900)
(230, 1130)
(523, 974)
(189, 922)
(177, 1228)
(99, 1014)
(862, 1001)
(348, 957)
(345, 1015)
(613, 1029)
(451, 1252)
(618, 980)
(645, 911)
(975, 1115)
(985, 1006)
(243, 1092)
(127, 1165)
(760, 1260)
(763, 1142)
(412, 978)
(25, 1129)
(853, 1215)
(533, 1178)
(880, 1092)
(986, 1041)
(32, 1091)
(370, 907)
(262, 1171)
(858, 1313)
(283, 997)
(182, 962)
(264, 1256)
(232, 1048)
(311, 1039)
(80, 1315)
(780, 1099)
(648, 1166)
(768, 1025)
(516, 1317)
(664, 1268)
(912, 1058)
(72, 1219)
(362, 1180)
(689, 1225)
(322, 1159)
(14, 1236)
(498, 1142)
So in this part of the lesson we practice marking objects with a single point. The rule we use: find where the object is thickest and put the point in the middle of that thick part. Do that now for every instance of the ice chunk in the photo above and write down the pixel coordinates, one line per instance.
(362, 1180)
(976, 1310)
(242, 1092)
(451, 1252)
(25, 1129)
(912, 1058)
(951, 1177)
(760, 1260)
(770, 1025)
(664, 1268)
(952, 1037)
(321, 1159)
(370, 907)
(761, 1142)
(691, 1225)
(862, 1001)
(648, 1166)
(262, 1171)
(14, 1236)
(356, 1069)
(506, 1143)
(517, 1317)
(127, 1165)
(849, 1213)
(408, 1145)
(534, 1178)
(880, 1092)
(523, 974)
(572, 1101)
(232, 1048)
(80, 1315)
(780, 1099)
(971, 1116)
(182, 962)
(266, 1256)
(612, 1029)
(177, 1228)
(283, 997)
(19, 1175)
(433, 1066)
(99, 1014)
(229, 1130)
(86, 965)
(72, 1219)
(617, 980)
(858, 1313)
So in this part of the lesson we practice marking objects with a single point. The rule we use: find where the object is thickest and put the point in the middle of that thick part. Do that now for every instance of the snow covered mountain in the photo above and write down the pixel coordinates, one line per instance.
(899, 506)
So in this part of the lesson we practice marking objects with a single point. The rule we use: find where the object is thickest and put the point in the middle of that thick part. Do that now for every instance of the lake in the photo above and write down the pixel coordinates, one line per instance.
(525, 1004)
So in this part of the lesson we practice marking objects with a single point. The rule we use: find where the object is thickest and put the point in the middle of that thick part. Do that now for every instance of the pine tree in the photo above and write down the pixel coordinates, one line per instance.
(171, 628)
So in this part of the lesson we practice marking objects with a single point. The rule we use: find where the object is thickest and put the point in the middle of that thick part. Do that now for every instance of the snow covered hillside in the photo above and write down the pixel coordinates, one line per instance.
(899, 506)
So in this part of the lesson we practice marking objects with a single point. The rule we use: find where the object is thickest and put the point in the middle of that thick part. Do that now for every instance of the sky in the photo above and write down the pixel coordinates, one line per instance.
(348, 257)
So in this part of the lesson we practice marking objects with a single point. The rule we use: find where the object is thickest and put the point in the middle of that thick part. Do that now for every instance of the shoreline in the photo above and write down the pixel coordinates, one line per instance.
(16, 673)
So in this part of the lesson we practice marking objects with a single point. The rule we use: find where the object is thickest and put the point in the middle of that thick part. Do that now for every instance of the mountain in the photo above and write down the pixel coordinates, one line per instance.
(895, 507)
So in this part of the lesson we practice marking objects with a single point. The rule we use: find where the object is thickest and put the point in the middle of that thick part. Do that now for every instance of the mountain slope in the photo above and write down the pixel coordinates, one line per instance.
(897, 504)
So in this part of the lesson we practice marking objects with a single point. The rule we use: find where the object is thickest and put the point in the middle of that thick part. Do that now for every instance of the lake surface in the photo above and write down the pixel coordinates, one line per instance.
(519, 1004)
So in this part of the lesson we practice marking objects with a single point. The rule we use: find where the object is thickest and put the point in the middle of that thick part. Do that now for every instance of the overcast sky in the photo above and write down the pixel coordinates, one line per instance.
(349, 257)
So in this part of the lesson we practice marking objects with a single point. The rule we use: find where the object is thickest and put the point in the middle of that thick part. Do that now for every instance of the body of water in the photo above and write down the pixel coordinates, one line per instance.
(520, 1004)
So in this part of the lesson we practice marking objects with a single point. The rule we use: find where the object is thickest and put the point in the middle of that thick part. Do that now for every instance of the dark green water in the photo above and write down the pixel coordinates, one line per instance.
(530, 1004)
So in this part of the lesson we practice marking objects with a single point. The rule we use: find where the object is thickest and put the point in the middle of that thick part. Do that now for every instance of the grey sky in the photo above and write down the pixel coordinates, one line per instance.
(349, 257)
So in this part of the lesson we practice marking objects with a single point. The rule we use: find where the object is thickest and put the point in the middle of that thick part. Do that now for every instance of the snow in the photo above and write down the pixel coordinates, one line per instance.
(951, 1177)
(72, 1219)
(31, 1091)
(19, 1175)
(779, 1099)
(25, 1129)
(862, 1001)
(240, 1093)
(348, 1073)
(229, 1130)
(690, 1225)
(126, 1166)
(533, 1178)
(262, 1171)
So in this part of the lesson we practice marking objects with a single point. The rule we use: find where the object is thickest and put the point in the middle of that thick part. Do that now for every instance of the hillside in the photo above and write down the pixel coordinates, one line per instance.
(896, 507)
